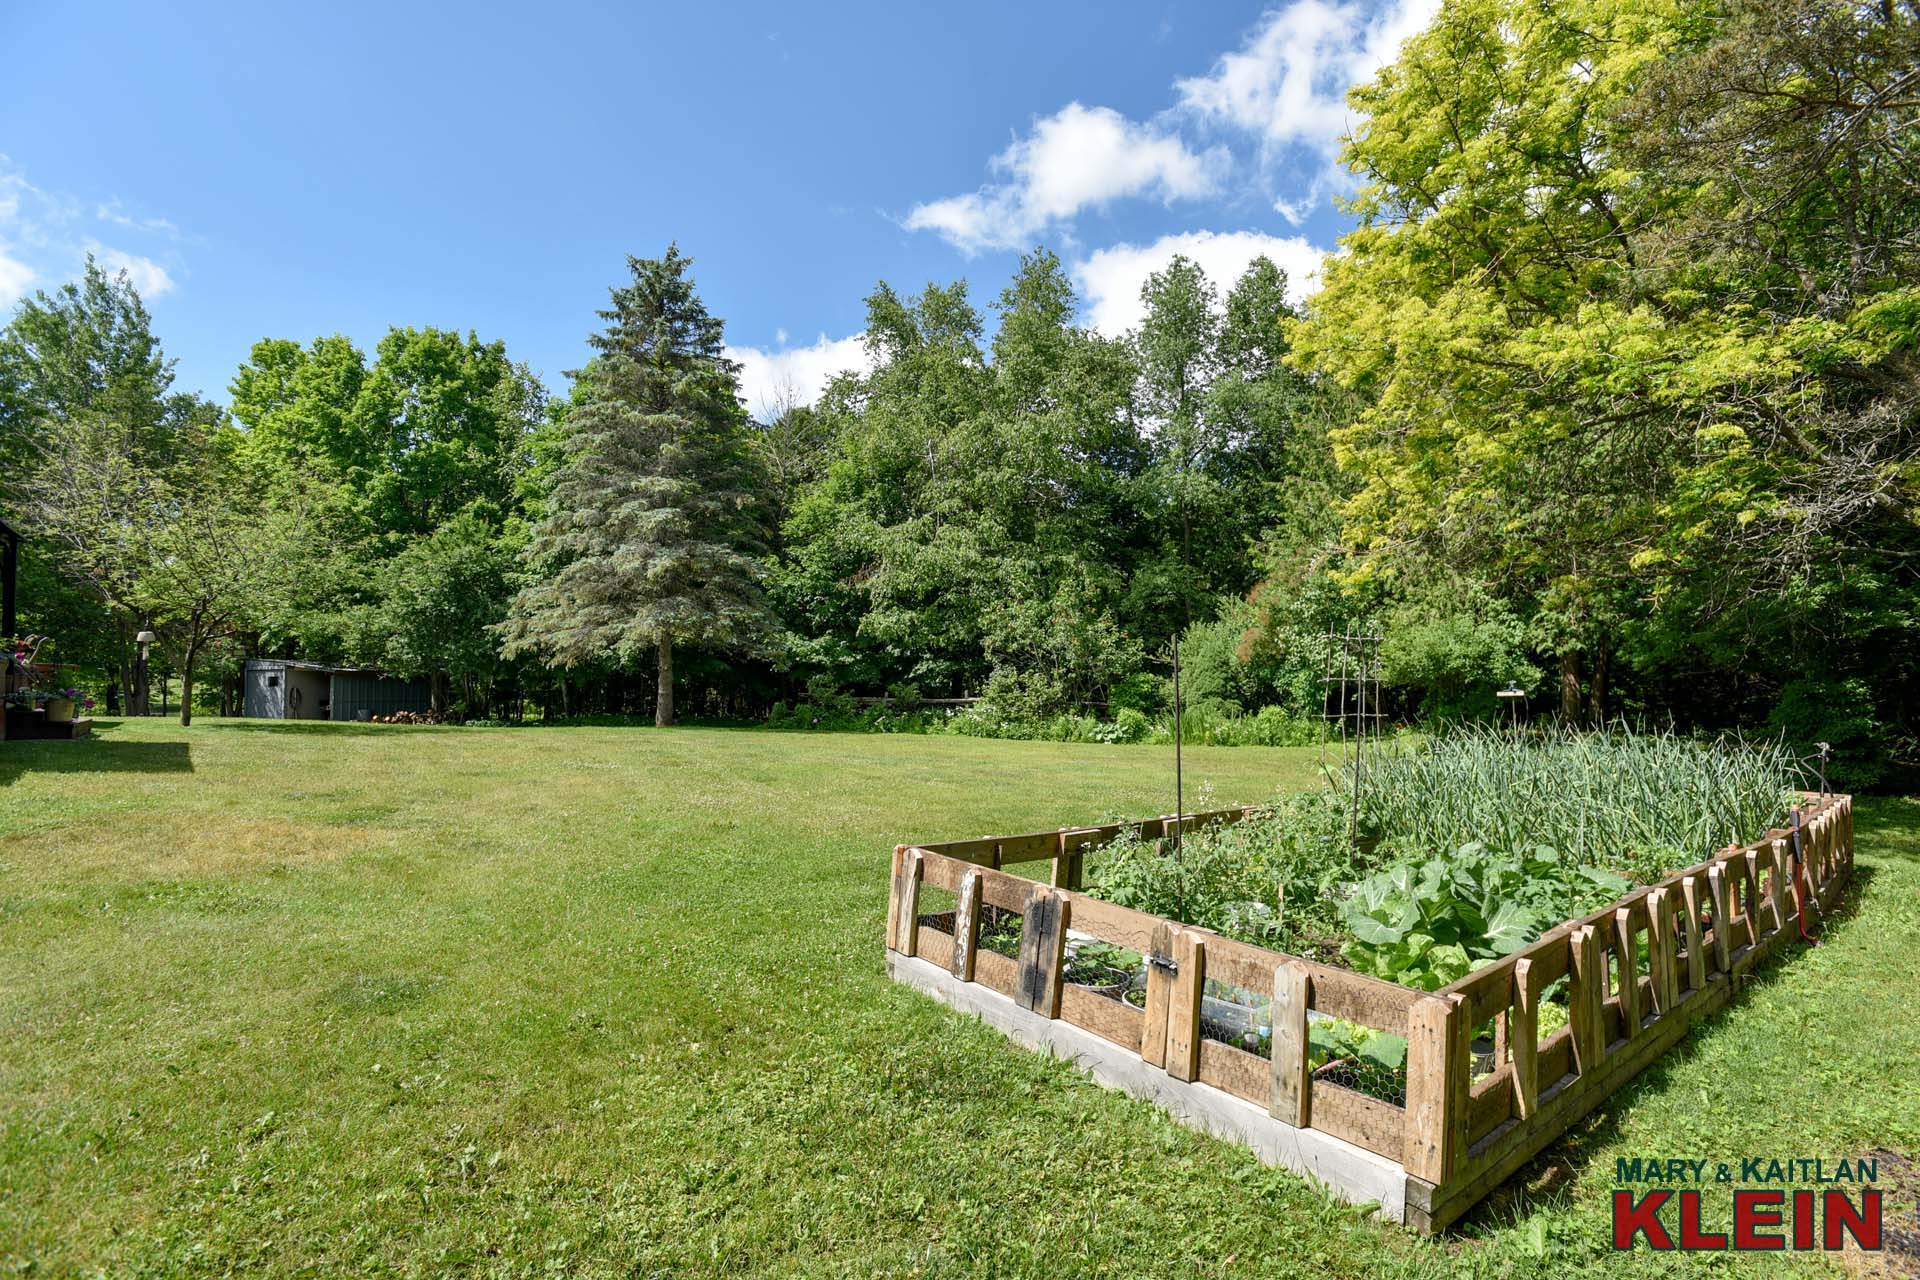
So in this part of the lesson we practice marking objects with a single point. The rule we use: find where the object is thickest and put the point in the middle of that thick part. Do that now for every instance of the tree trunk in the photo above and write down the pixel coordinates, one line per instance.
(663, 700)
(1597, 693)
(186, 689)
(1570, 686)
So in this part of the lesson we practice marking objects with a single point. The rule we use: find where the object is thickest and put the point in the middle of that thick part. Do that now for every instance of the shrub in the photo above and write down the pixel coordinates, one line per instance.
(1142, 691)
(1456, 653)
(1840, 713)
(1128, 725)
(1214, 724)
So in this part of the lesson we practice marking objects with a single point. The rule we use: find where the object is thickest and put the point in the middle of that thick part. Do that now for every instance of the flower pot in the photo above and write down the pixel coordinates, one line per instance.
(60, 710)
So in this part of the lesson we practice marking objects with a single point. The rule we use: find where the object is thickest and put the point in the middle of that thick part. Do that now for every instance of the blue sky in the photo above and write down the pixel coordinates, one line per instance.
(290, 171)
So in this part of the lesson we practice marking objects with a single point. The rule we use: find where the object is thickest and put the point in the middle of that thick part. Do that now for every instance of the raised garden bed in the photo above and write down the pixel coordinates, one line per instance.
(1484, 1084)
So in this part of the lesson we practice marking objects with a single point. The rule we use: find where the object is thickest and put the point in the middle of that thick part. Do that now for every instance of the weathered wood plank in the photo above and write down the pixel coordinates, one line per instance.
(1586, 998)
(966, 924)
(1367, 1122)
(1290, 1097)
(893, 897)
(1661, 966)
(1037, 846)
(1122, 926)
(1338, 993)
(1183, 1010)
(1778, 862)
(1722, 894)
(935, 945)
(1626, 957)
(906, 899)
(1070, 862)
(1690, 924)
(1234, 1071)
(1043, 940)
(996, 972)
(1489, 1103)
(1438, 1061)
(1757, 903)
(1523, 1038)
(1153, 1039)
(1114, 1020)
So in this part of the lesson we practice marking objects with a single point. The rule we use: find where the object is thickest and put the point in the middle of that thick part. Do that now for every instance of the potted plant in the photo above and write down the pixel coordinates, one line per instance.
(61, 704)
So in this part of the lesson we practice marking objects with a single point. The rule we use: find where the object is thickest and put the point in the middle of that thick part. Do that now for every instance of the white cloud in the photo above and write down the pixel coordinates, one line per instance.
(16, 277)
(112, 212)
(43, 238)
(795, 375)
(1287, 84)
(1110, 279)
(149, 278)
(1080, 157)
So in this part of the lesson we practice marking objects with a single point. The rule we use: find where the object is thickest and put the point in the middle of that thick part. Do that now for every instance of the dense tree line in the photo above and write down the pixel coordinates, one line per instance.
(1612, 394)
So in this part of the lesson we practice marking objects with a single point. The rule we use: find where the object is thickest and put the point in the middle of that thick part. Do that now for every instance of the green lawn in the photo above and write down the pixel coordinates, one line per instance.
(340, 999)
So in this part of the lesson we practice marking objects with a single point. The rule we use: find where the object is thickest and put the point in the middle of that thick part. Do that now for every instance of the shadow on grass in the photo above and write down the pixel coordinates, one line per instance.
(92, 755)
(320, 728)
(1889, 826)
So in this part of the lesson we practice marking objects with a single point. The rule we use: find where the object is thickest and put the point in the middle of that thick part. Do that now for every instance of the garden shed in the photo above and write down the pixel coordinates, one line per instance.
(283, 689)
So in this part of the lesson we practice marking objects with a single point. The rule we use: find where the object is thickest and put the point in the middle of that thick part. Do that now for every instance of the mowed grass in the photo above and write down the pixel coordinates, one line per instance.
(341, 1000)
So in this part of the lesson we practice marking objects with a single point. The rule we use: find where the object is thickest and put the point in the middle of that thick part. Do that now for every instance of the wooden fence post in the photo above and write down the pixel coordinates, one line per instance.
(1660, 963)
(1153, 1037)
(1628, 959)
(1439, 1058)
(1696, 960)
(1781, 862)
(1722, 917)
(1847, 830)
(1756, 903)
(903, 914)
(966, 925)
(1292, 1098)
(1069, 861)
(1183, 1010)
(1816, 853)
(1806, 880)
(1043, 941)
(1586, 994)
(893, 898)
(1523, 1037)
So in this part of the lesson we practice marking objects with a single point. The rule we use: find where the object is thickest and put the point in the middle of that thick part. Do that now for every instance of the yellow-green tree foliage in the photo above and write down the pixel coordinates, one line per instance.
(1632, 306)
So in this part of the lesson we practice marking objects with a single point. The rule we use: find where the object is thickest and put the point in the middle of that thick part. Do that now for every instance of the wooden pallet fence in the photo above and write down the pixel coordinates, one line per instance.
(1632, 978)
(1638, 974)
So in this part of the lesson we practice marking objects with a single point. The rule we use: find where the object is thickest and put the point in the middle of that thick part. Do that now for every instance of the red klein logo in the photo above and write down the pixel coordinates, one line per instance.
(1762, 1220)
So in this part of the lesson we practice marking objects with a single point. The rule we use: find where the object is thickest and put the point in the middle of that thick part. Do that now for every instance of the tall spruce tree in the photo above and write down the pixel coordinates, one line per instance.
(653, 532)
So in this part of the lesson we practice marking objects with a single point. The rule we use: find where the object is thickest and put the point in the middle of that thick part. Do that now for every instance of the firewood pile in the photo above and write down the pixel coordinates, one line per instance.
(411, 717)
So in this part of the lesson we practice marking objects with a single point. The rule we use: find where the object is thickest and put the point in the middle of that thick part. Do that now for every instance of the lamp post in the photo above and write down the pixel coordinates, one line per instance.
(137, 696)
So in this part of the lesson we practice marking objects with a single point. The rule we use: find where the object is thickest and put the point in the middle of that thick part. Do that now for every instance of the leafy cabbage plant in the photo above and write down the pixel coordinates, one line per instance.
(1426, 924)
